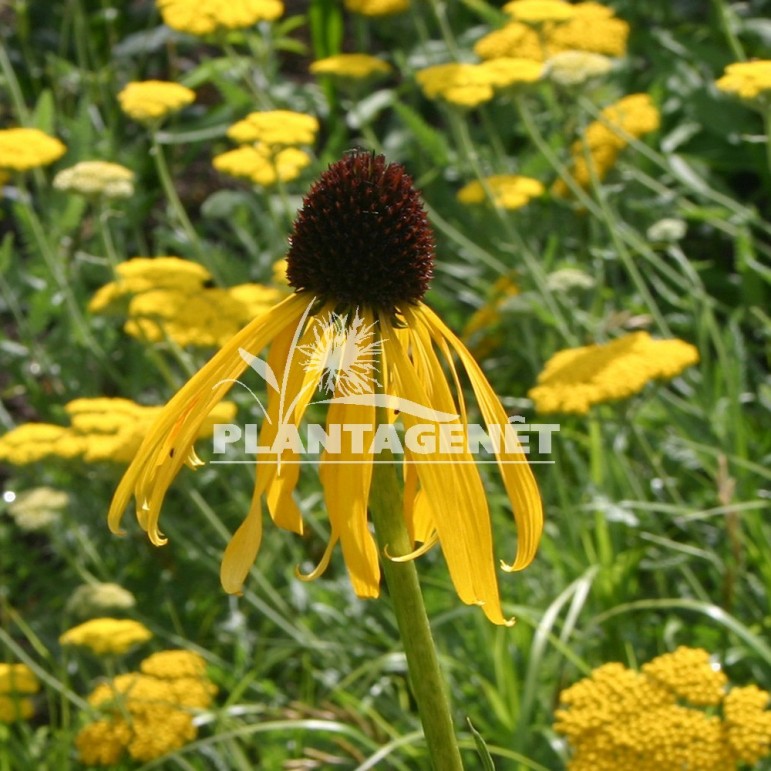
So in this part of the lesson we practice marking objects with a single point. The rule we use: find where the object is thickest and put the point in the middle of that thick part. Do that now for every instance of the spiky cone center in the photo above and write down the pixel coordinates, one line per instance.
(362, 237)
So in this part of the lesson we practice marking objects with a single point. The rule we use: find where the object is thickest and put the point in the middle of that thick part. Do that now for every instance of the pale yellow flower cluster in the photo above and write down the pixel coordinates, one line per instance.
(469, 85)
(147, 714)
(37, 508)
(17, 682)
(102, 429)
(595, 154)
(168, 298)
(540, 29)
(377, 7)
(22, 149)
(509, 191)
(99, 599)
(269, 151)
(750, 81)
(202, 17)
(351, 66)
(573, 68)
(151, 100)
(107, 636)
(650, 720)
(576, 378)
(96, 178)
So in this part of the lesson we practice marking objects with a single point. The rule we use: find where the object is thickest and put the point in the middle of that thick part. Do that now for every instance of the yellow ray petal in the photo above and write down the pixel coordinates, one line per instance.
(453, 490)
(518, 478)
(323, 563)
(242, 551)
(346, 479)
(155, 465)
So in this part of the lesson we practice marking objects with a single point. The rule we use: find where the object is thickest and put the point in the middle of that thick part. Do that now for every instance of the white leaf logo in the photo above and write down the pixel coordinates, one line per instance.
(261, 367)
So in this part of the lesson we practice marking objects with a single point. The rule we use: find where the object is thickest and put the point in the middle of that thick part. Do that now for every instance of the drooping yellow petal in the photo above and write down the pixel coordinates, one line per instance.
(346, 477)
(156, 463)
(241, 552)
(518, 478)
(450, 481)
(286, 407)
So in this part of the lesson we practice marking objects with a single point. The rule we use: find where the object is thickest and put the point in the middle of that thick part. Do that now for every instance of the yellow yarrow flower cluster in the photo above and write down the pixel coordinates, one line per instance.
(147, 714)
(750, 81)
(96, 178)
(649, 720)
(261, 165)
(377, 7)
(509, 191)
(102, 429)
(748, 723)
(151, 100)
(595, 154)
(687, 672)
(586, 26)
(269, 153)
(576, 378)
(469, 85)
(353, 66)
(22, 149)
(107, 636)
(275, 128)
(202, 17)
(539, 11)
(167, 298)
(17, 682)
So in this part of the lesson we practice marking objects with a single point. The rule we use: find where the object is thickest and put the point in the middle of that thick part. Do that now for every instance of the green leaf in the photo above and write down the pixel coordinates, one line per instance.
(426, 136)
(5, 252)
(44, 112)
(484, 753)
(326, 22)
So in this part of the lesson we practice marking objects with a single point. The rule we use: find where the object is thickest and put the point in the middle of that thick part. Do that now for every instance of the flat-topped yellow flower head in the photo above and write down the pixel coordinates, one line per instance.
(377, 7)
(360, 261)
(539, 11)
(677, 712)
(202, 17)
(105, 636)
(509, 191)
(22, 149)
(262, 164)
(276, 128)
(575, 379)
(153, 100)
(353, 66)
(750, 81)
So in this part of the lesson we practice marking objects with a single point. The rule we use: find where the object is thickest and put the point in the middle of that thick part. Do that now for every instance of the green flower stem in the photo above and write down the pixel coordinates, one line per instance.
(176, 205)
(402, 579)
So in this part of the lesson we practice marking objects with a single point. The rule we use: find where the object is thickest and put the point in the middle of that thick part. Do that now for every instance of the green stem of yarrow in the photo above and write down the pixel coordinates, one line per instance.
(426, 678)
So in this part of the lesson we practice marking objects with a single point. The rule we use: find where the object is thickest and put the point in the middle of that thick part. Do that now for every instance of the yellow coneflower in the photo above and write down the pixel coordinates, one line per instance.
(360, 261)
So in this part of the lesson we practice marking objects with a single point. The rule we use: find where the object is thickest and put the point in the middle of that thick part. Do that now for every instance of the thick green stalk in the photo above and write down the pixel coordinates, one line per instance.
(402, 579)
